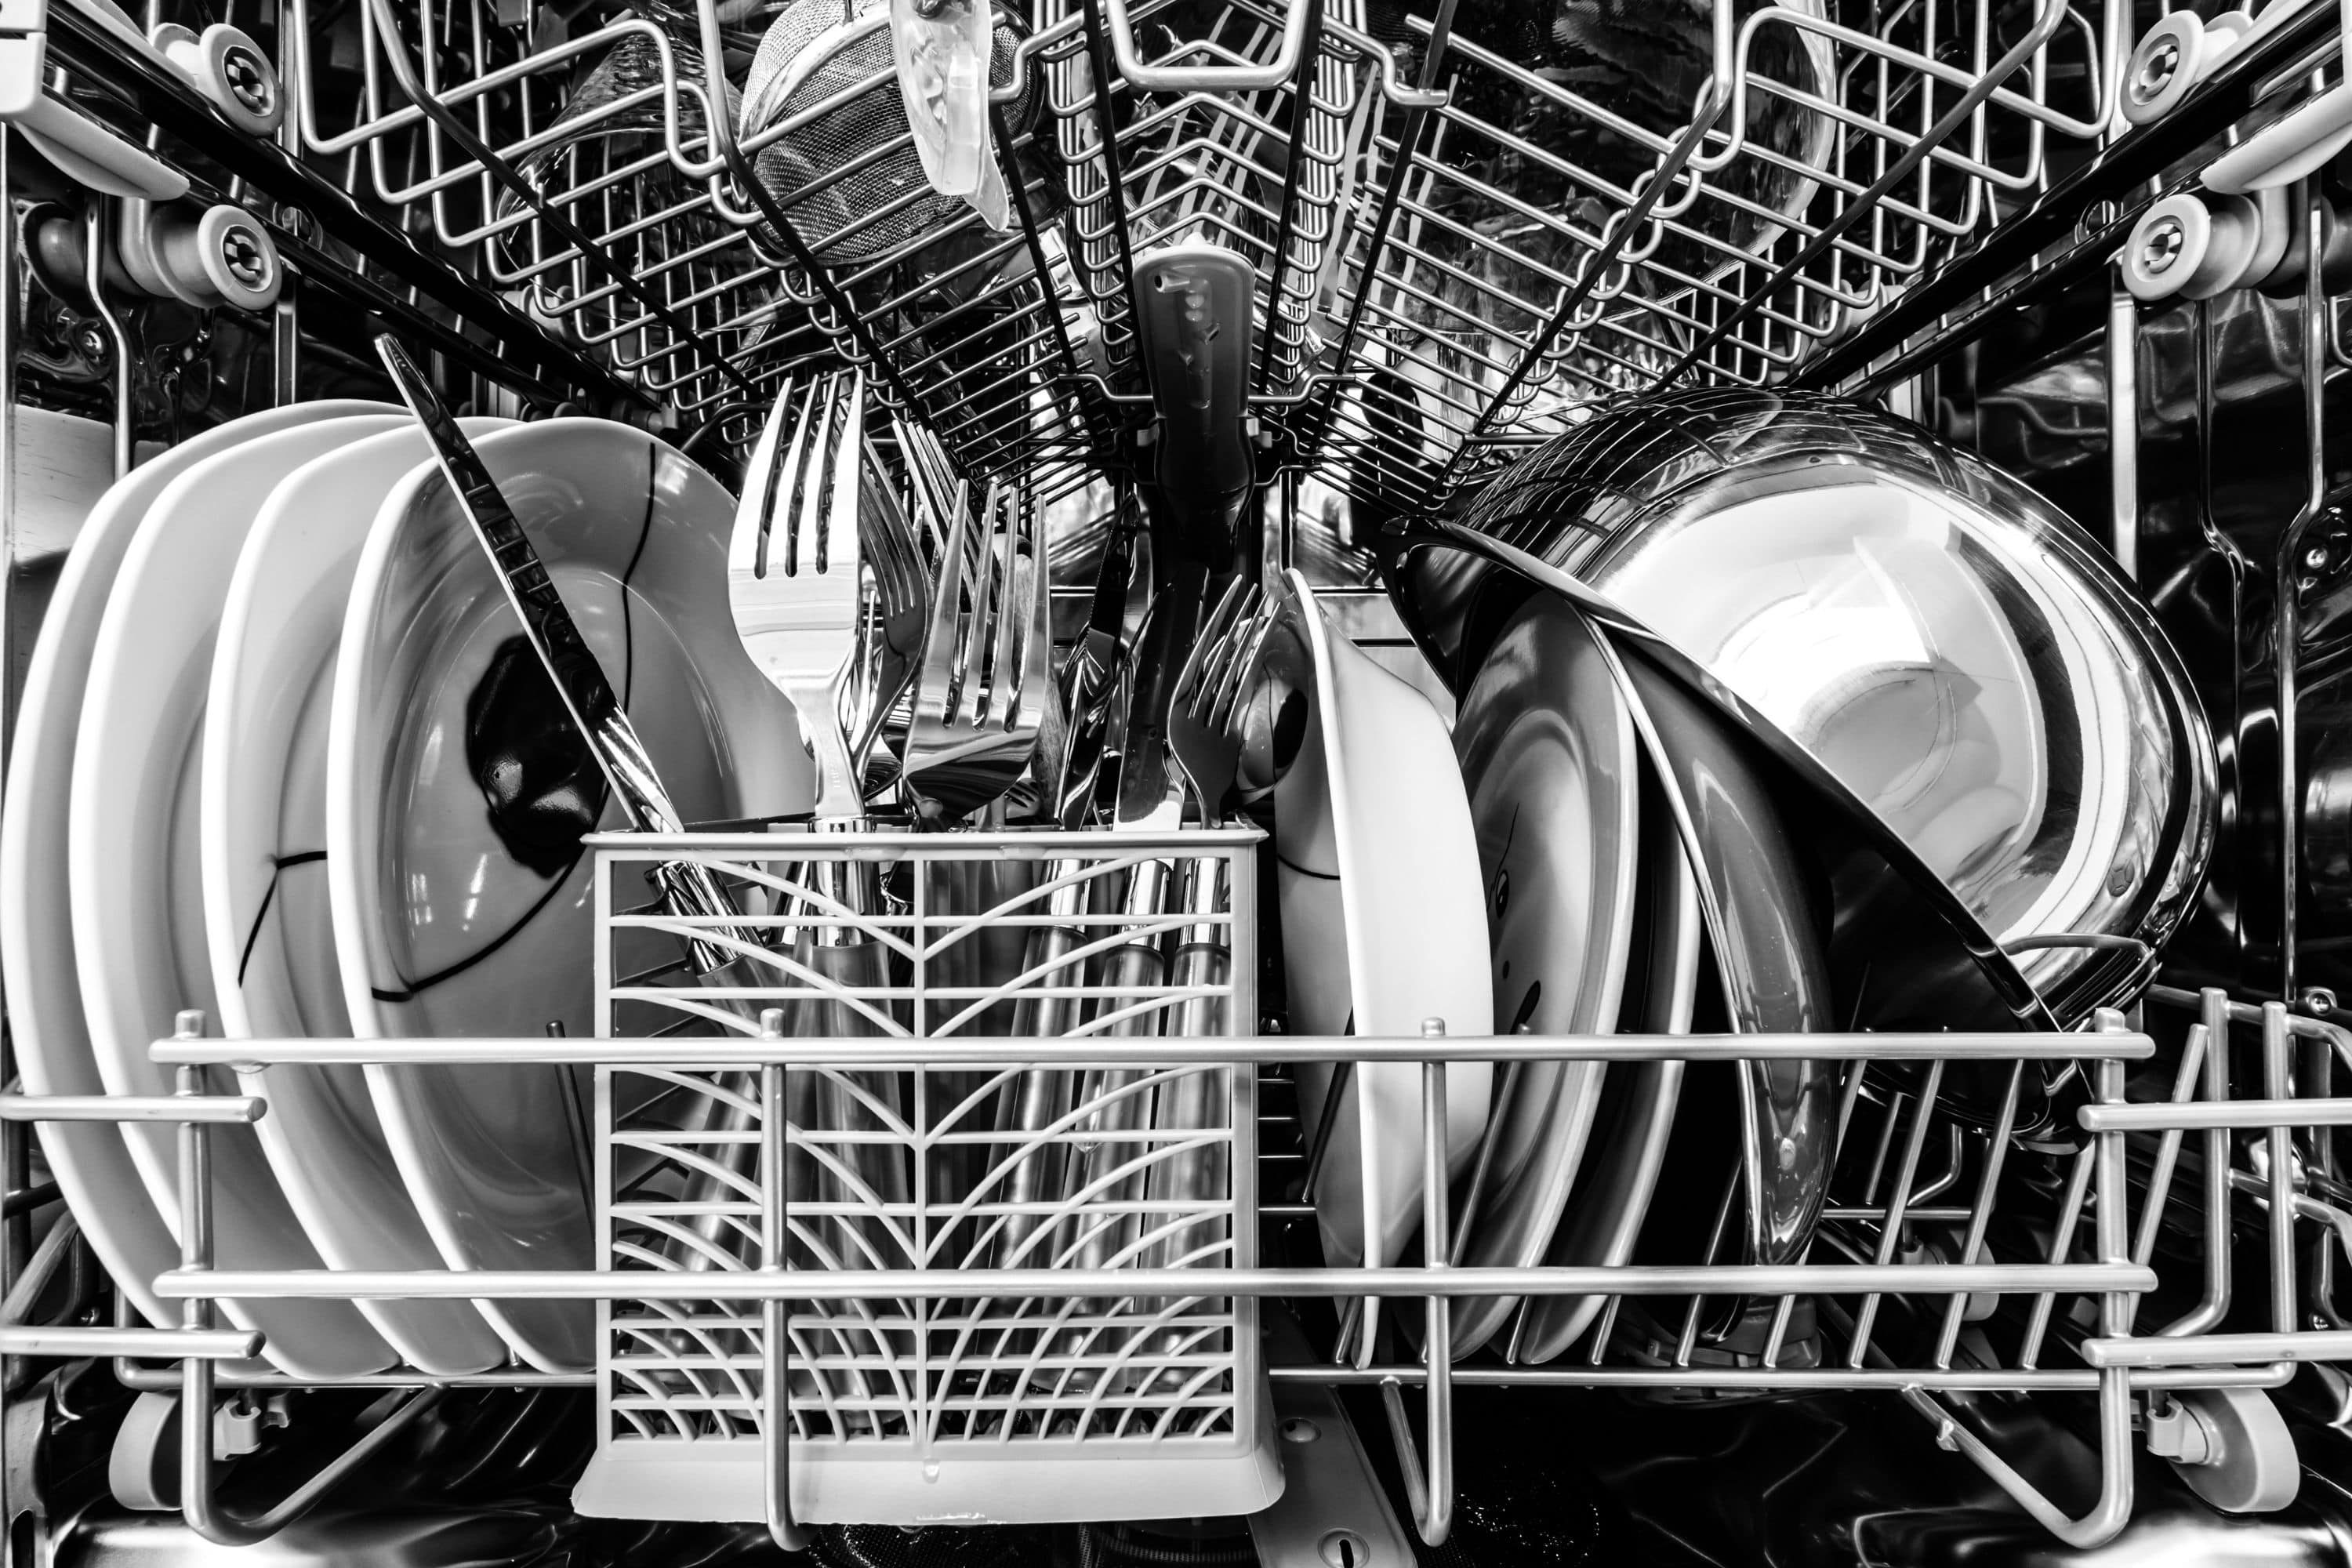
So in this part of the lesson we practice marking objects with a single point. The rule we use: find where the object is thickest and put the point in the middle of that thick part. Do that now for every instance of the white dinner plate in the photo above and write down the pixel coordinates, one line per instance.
(131, 850)
(457, 791)
(1383, 929)
(262, 816)
(1547, 749)
(1636, 1116)
(91, 1165)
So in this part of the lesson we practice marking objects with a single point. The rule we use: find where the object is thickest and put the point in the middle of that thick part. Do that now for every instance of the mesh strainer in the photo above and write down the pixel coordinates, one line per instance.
(850, 177)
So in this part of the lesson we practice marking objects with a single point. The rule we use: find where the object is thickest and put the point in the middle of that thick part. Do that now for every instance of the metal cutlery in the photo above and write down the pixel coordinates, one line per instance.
(796, 587)
(1201, 730)
(1151, 803)
(795, 592)
(1041, 1098)
(687, 888)
(1207, 742)
(570, 665)
(984, 688)
(890, 643)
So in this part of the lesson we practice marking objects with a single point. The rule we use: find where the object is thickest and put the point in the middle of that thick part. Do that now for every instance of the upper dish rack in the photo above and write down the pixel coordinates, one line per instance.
(1458, 235)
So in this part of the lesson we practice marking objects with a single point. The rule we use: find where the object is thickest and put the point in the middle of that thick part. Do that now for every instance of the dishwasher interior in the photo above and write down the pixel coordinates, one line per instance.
(1175, 782)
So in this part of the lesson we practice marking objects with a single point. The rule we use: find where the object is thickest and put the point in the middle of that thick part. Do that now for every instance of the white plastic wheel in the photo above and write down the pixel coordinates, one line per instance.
(2189, 248)
(228, 66)
(142, 1469)
(2173, 57)
(2251, 1467)
(238, 259)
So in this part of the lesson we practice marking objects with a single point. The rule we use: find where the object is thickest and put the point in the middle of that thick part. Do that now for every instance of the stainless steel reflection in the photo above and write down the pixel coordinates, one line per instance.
(1905, 951)
(1942, 640)
(1764, 928)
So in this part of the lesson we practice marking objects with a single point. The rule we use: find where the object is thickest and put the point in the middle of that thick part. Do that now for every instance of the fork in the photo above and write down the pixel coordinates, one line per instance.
(890, 643)
(794, 586)
(1200, 729)
(795, 589)
(1207, 746)
(982, 691)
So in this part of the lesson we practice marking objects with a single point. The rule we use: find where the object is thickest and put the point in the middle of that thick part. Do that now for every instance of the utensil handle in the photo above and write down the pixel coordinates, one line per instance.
(1039, 1098)
(1194, 1101)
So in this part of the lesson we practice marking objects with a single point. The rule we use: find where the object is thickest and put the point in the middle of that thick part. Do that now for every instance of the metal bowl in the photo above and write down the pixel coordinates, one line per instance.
(1941, 638)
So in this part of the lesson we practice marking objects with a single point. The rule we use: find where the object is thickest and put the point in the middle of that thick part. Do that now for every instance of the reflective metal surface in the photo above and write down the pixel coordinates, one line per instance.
(1938, 636)
(1764, 926)
(1905, 951)
(1638, 1102)
(1549, 760)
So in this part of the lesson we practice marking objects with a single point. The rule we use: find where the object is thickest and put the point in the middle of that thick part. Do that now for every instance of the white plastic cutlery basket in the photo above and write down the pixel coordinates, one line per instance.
(1024, 1406)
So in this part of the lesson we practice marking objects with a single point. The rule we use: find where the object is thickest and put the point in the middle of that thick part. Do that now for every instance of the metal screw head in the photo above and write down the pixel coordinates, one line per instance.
(1298, 1429)
(2162, 244)
(1344, 1549)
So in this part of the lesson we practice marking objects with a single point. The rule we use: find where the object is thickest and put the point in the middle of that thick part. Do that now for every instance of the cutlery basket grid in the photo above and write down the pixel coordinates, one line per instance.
(1029, 1406)
(1449, 260)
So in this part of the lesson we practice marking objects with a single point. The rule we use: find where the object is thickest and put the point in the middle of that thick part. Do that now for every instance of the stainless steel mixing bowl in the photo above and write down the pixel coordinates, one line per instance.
(1945, 641)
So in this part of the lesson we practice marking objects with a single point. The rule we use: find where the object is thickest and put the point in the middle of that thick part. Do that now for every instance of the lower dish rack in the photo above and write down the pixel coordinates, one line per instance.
(787, 1335)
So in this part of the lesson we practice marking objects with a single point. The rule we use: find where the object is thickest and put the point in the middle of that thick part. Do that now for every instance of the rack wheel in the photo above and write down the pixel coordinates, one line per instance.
(143, 1469)
(2192, 249)
(234, 256)
(2232, 1445)
(229, 67)
(2173, 57)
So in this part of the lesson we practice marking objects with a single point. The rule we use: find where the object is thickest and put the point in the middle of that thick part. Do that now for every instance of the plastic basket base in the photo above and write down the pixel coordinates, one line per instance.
(723, 1479)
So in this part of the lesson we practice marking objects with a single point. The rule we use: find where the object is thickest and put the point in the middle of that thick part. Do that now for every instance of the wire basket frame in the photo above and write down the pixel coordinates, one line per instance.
(1028, 1407)
(2127, 1349)
(1457, 246)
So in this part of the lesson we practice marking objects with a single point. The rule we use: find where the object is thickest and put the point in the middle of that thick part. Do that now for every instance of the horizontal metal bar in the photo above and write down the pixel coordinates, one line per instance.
(2196, 1116)
(974, 1050)
(166, 1379)
(790, 839)
(973, 1284)
(2303, 1026)
(177, 1344)
(2057, 1379)
(2213, 1350)
(28, 1199)
(206, 1108)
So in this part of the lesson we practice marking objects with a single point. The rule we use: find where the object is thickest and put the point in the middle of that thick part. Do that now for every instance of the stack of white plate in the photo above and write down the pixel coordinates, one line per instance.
(282, 758)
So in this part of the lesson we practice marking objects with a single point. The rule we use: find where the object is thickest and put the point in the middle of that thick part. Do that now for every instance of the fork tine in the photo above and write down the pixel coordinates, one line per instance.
(1007, 548)
(808, 490)
(747, 547)
(1261, 627)
(838, 545)
(935, 689)
(1036, 617)
(1190, 680)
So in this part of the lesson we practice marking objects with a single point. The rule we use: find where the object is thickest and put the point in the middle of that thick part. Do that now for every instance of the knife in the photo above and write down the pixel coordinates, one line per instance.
(688, 889)
(571, 664)
(1041, 1097)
